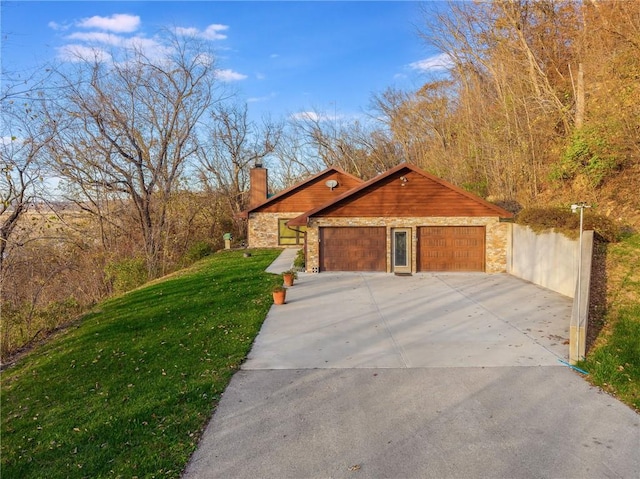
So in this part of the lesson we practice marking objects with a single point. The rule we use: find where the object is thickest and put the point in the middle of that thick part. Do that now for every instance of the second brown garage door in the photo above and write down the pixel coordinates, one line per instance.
(451, 248)
(353, 249)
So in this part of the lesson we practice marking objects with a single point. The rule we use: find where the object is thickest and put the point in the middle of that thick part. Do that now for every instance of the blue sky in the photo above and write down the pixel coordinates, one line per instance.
(283, 58)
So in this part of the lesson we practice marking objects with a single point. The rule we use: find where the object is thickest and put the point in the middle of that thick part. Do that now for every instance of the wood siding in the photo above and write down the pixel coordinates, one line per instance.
(312, 195)
(353, 249)
(451, 248)
(414, 196)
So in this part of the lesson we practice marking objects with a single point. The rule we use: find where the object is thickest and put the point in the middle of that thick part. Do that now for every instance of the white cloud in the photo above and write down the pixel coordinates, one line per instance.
(212, 32)
(151, 47)
(118, 22)
(437, 62)
(93, 48)
(98, 37)
(187, 31)
(205, 59)
(56, 26)
(317, 117)
(307, 115)
(229, 75)
(78, 53)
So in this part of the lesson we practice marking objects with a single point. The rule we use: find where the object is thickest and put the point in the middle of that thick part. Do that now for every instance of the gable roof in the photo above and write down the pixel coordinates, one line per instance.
(299, 187)
(375, 183)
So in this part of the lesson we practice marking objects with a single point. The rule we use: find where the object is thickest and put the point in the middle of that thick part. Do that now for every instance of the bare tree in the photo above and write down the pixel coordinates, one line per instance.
(127, 128)
(352, 145)
(22, 145)
(234, 144)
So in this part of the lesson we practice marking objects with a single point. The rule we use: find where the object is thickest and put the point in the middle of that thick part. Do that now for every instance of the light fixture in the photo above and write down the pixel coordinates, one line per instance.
(331, 184)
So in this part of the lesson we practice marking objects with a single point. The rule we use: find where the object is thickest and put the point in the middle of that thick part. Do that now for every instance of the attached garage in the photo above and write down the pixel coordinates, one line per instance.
(451, 248)
(405, 221)
(353, 249)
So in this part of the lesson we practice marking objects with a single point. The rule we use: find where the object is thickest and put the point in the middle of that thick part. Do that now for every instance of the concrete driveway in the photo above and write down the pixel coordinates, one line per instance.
(425, 376)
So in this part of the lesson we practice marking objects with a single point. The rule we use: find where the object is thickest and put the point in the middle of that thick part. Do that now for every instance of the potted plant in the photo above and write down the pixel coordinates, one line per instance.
(288, 277)
(279, 294)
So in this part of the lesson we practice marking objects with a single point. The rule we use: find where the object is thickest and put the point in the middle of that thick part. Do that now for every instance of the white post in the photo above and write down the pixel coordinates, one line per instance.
(579, 287)
(578, 328)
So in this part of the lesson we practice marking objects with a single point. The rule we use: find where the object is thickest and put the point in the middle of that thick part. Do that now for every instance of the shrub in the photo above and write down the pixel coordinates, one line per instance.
(587, 154)
(299, 260)
(568, 223)
(197, 251)
(127, 274)
(23, 325)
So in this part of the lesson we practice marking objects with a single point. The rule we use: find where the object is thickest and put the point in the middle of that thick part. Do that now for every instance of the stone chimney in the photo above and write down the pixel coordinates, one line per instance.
(257, 185)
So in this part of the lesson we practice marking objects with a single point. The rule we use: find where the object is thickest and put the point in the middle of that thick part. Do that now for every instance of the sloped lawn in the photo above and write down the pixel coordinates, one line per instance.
(614, 362)
(128, 391)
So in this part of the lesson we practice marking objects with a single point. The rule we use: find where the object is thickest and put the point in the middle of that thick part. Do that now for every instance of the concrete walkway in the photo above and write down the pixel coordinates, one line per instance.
(428, 376)
(284, 262)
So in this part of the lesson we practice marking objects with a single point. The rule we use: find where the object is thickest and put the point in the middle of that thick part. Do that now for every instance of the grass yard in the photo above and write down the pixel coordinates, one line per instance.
(128, 391)
(614, 362)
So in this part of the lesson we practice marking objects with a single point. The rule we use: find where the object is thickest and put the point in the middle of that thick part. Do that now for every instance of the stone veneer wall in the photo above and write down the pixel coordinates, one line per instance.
(497, 235)
(262, 229)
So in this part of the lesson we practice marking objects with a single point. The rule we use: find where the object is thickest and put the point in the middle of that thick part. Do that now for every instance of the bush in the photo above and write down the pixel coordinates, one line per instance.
(299, 261)
(564, 221)
(127, 274)
(588, 154)
(23, 325)
(197, 251)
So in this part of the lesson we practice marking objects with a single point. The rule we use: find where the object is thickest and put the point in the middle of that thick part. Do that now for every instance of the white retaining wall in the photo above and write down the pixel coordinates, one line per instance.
(548, 259)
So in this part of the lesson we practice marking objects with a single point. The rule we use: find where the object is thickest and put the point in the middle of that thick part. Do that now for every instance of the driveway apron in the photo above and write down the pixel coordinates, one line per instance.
(425, 376)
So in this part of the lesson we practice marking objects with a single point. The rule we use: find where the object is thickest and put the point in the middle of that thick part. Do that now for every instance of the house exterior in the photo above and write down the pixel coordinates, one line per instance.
(405, 221)
(267, 217)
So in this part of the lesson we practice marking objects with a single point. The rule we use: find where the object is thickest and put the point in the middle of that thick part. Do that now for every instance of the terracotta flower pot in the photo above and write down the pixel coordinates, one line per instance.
(279, 296)
(288, 279)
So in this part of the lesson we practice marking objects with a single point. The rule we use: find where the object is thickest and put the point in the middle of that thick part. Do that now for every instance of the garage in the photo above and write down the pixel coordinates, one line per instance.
(353, 249)
(451, 248)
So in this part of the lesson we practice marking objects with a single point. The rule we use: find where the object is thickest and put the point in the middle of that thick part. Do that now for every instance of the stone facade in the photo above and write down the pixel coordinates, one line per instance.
(262, 229)
(496, 240)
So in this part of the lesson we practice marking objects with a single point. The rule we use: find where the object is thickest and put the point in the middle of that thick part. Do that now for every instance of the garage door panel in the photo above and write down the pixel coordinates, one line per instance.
(451, 248)
(353, 249)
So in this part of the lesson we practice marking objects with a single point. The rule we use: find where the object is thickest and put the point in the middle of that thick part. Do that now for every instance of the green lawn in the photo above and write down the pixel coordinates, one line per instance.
(614, 362)
(128, 391)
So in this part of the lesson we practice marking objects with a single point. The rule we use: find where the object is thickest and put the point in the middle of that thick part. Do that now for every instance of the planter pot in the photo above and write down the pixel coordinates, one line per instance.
(279, 296)
(288, 279)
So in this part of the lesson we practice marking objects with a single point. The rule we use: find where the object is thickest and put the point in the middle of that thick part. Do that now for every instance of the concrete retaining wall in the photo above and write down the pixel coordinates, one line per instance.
(548, 259)
(551, 260)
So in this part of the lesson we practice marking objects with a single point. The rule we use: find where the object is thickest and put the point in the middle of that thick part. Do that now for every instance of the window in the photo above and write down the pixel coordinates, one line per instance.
(288, 236)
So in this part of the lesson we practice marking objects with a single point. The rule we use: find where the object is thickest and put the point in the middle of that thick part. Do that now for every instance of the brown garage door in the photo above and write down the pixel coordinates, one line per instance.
(353, 249)
(451, 248)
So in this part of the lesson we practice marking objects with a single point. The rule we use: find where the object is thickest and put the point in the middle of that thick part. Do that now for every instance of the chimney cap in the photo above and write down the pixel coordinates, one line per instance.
(257, 164)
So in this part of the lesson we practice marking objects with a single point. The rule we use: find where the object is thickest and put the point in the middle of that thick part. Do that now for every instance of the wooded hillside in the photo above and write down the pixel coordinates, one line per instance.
(541, 105)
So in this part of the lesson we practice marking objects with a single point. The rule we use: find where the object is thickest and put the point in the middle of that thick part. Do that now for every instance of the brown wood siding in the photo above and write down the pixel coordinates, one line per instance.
(353, 249)
(312, 195)
(451, 248)
(419, 197)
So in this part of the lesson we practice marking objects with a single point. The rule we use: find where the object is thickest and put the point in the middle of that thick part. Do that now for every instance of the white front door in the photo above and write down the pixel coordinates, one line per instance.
(401, 250)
